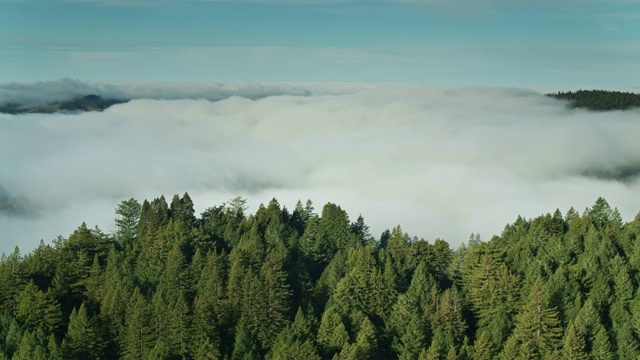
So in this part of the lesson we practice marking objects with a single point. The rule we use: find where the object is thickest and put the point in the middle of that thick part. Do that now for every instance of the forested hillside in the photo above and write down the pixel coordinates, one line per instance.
(89, 102)
(599, 100)
(301, 284)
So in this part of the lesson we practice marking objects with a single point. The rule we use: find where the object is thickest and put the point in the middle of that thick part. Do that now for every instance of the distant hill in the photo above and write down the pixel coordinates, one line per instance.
(599, 100)
(80, 103)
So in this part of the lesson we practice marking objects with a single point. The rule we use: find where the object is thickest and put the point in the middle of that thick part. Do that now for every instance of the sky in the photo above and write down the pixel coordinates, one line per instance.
(453, 42)
(425, 113)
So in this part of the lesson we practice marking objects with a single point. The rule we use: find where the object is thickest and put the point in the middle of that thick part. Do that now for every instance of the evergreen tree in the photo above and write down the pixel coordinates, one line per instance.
(574, 347)
(366, 344)
(82, 340)
(412, 340)
(276, 298)
(601, 349)
(37, 309)
(27, 348)
(55, 353)
(482, 347)
(178, 337)
(13, 337)
(537, 328)
(626, 341)
(127, 218)
(332, 333)
(246, 346)
(139, 338)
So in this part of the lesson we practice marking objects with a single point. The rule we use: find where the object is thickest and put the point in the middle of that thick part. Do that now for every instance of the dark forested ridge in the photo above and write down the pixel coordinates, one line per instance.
(599, 100)
(282, 284)
(79, 103)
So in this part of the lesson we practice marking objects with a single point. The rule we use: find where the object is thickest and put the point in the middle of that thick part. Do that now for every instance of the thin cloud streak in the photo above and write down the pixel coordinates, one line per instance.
(442, 162)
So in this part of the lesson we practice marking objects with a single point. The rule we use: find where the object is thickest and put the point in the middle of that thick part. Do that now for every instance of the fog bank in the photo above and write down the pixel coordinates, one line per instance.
(442, 162)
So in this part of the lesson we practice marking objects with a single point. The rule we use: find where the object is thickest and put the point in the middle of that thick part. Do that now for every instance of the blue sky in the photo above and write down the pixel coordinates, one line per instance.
(453, 42)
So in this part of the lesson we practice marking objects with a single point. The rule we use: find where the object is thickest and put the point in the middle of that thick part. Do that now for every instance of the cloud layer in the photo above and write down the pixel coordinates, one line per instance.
(442, 162)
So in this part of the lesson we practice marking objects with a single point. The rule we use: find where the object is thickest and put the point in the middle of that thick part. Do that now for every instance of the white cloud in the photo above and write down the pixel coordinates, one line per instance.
(442, 162)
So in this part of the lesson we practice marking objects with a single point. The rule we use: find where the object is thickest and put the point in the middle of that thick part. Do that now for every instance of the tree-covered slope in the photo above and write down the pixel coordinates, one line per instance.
(79, 103)
(599, 100)
(282, 284)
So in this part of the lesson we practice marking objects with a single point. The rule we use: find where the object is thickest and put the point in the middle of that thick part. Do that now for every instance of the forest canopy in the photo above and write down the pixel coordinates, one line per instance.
(599, 100)
(307, 284)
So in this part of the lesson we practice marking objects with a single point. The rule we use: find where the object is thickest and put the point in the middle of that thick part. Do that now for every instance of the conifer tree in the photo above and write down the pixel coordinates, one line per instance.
(574, 347)
(127, 218)
(37, 309)
(26, 349)
(537, 329)
(276, 297)
(366, 344)
(332, 333)
(138, 338)
(53, 349)
(178, 337)
(82, 340)
(246, 345)
(412, 340)
(13, 337)
(482, 347)
(627, 342)
(601, 348)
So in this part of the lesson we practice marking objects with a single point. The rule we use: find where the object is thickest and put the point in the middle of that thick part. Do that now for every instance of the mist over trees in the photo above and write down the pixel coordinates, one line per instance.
(312, 284)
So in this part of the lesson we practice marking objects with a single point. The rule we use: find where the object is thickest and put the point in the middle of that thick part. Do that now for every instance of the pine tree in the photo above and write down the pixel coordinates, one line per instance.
(482, 347)
(590, 321)
(178, 337)
(574, 347)
(276, 297)
(175, 278)
(366, 344)
(627, 342)
(37, 309)
(452, 354)
(113, 303)
(127, 218)
(537, 326)
(246, 345)
(296, 341)
(412, 340)
(449, 318)
(53, 349)
(138, 338)
(12, 278)
(601, 349)
(82, 339)
(27, 347)
(13, 337)
(93, 284)
(211, 310)
(332, 333)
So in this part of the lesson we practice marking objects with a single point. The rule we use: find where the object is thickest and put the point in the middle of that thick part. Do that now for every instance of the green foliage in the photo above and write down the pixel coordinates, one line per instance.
(82, 340)
(226, 285)
(602, 349)
(599, 100)
(128, 216)
(537, 330)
